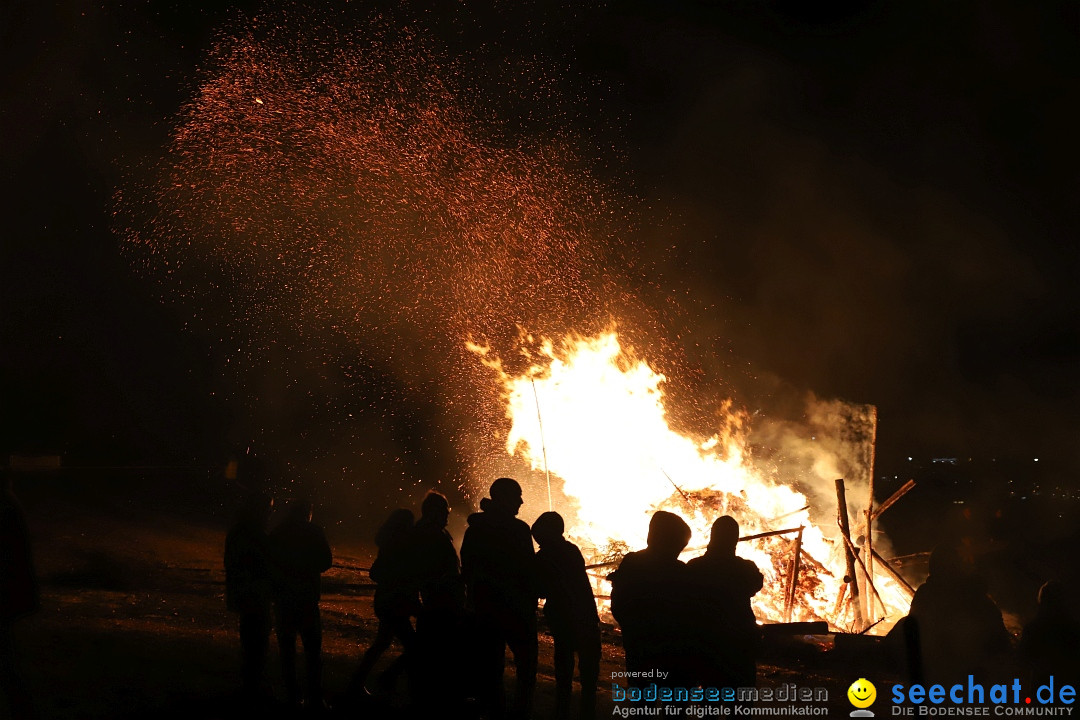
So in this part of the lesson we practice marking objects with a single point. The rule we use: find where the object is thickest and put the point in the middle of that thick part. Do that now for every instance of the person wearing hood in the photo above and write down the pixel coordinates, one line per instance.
(649, 600)
(954, 629)
(722, 585)
(498, 566)
(1048, 646)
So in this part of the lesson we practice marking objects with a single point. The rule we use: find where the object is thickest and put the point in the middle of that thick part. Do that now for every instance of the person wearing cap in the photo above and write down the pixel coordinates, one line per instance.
(498, 566)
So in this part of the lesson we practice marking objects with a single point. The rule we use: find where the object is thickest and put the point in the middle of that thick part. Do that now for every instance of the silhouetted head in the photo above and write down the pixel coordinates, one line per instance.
(946, 563)
(506, 495)
(668, 533)
(395, 528)
(435, 509)
(725, 535)
(298, 510)
(548, 528)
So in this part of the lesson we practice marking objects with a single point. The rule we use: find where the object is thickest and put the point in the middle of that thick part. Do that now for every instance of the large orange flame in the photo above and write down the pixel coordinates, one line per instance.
(593, 415)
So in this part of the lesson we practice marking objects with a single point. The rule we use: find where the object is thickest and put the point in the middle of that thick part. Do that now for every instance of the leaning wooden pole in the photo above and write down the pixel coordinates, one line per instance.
(871, 588)
(904, 490)
(842, 520)
(887, 566)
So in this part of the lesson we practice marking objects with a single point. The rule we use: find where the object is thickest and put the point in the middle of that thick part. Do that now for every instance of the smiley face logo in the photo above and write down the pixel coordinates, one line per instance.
(862, 693)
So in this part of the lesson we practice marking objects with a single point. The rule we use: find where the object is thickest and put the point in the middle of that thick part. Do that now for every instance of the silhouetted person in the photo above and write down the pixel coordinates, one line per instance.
(570, 612)
(649, 601)
(434, 563)
(498, 564)
(301, 555)
(18, 594)
(723, 584)
(953, 628)
(395, 598)
(248, 590)
(1050, 644)
(438, 675)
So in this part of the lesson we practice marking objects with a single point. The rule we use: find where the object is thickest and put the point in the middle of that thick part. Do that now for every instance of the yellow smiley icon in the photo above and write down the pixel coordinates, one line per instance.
(862, 693)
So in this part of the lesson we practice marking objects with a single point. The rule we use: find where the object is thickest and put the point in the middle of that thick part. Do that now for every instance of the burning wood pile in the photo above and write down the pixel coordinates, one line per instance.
(591, 414)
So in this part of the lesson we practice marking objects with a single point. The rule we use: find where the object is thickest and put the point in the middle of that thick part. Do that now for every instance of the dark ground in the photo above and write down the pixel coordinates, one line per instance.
(133, 621)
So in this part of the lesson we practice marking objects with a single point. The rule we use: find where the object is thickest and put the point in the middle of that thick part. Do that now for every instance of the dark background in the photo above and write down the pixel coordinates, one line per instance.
(868, 200)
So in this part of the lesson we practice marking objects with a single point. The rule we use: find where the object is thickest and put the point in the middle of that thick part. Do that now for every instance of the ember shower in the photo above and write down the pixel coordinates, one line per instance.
(337, 198)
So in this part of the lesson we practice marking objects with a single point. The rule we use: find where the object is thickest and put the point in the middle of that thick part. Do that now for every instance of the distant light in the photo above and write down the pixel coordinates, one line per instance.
(909, 458)
(1036, 459)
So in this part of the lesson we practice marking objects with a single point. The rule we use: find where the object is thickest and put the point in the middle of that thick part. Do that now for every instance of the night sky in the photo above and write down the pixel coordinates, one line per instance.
(872, 201)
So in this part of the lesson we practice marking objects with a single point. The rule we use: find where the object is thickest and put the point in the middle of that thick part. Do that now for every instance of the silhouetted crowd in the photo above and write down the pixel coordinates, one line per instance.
(455, 620)
(683, 624)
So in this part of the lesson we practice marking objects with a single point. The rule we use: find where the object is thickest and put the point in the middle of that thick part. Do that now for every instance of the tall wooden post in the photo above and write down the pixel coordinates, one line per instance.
(868, 543)
(842, 520)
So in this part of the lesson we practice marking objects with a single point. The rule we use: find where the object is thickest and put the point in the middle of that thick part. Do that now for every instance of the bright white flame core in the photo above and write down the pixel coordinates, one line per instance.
(606, 436)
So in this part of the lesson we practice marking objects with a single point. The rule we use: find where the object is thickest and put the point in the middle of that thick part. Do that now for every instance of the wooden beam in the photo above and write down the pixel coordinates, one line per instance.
(893, 573)
(904, 490)
(845, 532)
(870, 582)
(771, 533)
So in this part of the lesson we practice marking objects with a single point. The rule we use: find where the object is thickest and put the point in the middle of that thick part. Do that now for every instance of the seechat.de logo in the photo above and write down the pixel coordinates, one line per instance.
(862, 695)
